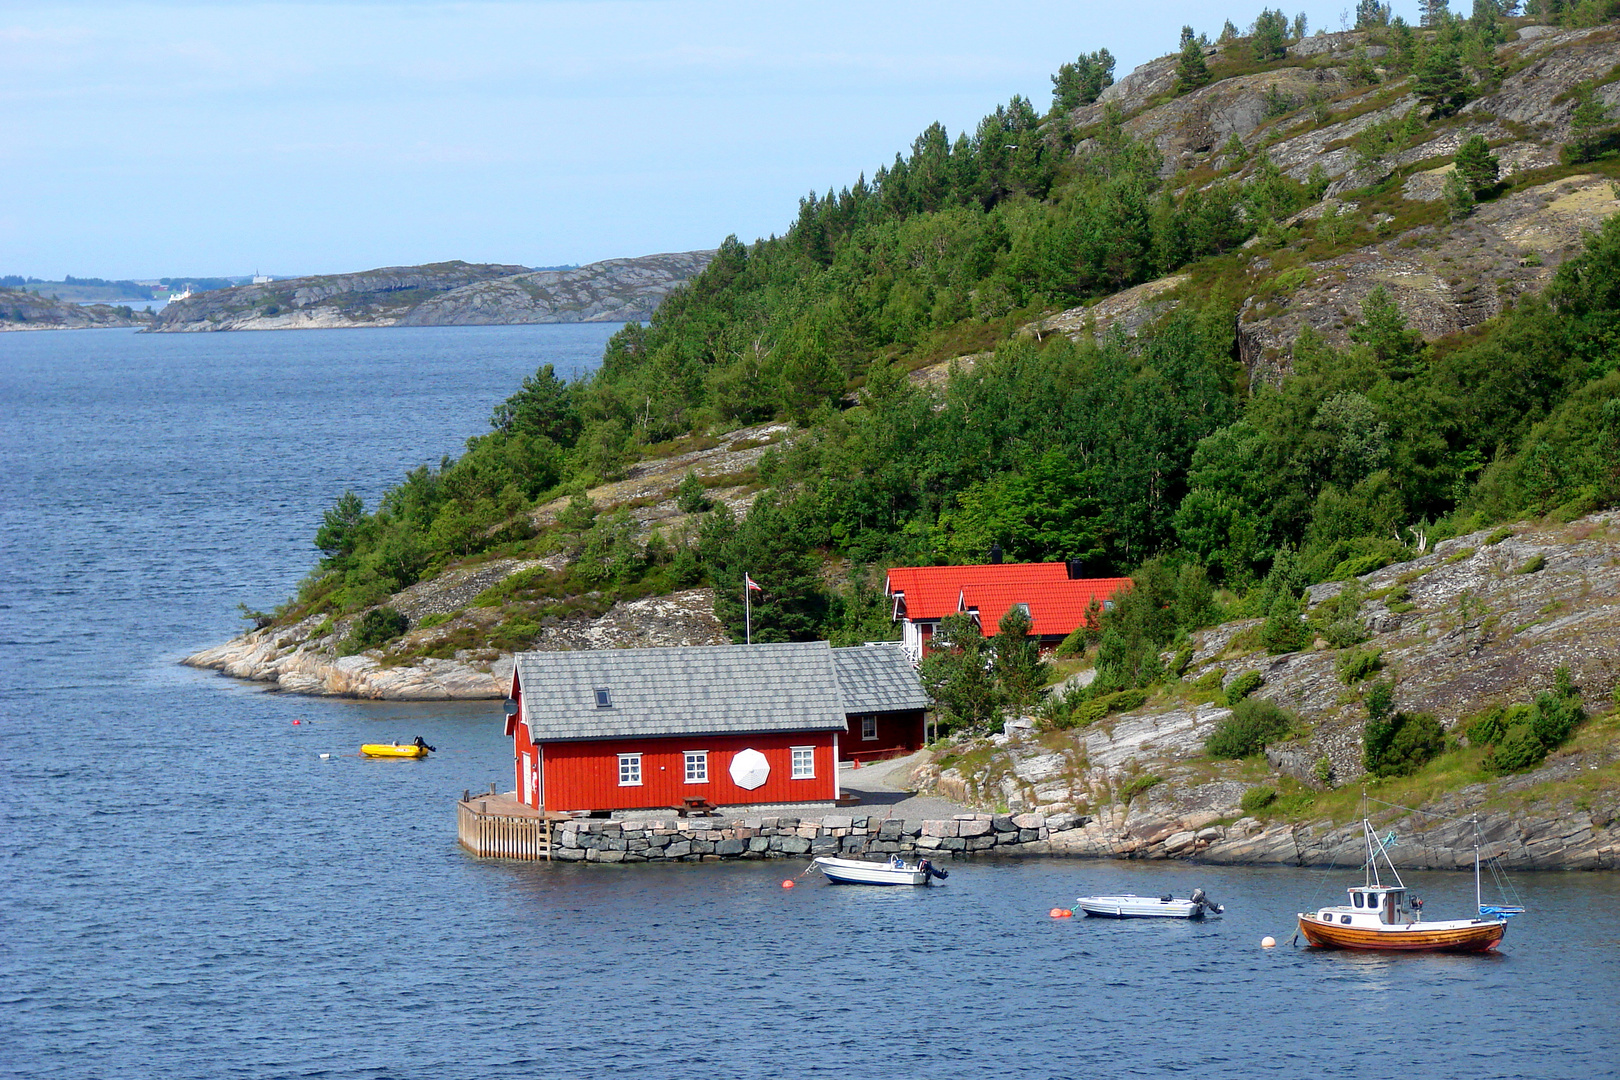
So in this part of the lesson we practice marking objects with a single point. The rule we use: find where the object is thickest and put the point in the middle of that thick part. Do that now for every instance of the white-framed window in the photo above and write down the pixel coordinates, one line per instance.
(629, 770)
(804, 763)
(697, 766)
(869, 728)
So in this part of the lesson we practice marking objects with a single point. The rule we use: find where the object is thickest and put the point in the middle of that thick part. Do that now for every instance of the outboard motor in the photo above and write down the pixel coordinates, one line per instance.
(1198, 897)
(931, 870)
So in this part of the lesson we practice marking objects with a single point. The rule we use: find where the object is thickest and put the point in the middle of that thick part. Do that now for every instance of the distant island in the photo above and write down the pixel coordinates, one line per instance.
(440, 294)
(22, 309)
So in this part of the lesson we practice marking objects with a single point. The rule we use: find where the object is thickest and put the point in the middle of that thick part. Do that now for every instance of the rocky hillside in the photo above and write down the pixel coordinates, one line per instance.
(22, 310)
(1447, 276)
(1481, 619)
(446, 652)
(440, 294)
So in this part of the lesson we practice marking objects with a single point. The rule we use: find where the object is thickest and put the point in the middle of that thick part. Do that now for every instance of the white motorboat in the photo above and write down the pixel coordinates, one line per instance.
(861, 872)
(1131, 906)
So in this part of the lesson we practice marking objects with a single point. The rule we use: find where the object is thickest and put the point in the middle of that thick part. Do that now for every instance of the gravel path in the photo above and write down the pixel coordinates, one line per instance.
(883, 790)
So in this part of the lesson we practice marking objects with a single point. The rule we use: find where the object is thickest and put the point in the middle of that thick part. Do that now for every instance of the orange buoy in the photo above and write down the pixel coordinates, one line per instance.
(788, 884)
(1057, 913)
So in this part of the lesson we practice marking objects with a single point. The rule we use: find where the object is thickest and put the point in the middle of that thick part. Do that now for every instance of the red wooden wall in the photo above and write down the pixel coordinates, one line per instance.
(585, 775)
(895, 731)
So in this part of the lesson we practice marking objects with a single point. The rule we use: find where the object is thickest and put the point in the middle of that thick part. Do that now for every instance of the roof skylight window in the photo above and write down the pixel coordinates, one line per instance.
(604, 700)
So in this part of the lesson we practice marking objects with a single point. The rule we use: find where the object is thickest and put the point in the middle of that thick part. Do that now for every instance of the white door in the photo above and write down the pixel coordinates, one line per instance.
(528, 779)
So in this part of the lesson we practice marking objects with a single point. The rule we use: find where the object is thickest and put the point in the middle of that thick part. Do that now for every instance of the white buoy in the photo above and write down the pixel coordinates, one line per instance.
(1268, 942)
(328, 757)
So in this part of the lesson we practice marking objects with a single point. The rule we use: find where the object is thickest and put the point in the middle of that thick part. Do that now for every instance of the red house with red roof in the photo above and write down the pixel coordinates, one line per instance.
(1053, 594)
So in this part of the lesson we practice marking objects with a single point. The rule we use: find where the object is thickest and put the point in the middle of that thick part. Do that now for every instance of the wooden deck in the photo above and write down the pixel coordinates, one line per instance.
(500, 827)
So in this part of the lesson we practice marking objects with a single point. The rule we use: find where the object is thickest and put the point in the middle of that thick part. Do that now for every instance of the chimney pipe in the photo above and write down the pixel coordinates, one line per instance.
(995, 554)
(1077, 569)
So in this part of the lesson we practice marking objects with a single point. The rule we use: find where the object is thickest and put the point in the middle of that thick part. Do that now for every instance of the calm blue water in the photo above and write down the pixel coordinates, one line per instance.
(189, 891)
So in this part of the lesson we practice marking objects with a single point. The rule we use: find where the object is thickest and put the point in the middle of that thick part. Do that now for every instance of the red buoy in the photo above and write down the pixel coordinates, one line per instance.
(788, 884)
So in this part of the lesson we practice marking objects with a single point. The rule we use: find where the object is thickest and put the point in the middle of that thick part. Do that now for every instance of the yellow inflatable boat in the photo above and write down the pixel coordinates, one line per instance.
(418, 749)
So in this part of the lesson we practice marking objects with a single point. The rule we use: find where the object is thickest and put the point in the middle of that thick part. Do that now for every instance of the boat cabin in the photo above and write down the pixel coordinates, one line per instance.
(1373, 905)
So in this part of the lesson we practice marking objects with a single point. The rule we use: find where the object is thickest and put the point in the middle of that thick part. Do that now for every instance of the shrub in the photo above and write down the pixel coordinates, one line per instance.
(1211, 680)
(691, 497)
(1557, 712)
(1184, 657)
(1252, 725)
(1398, 743)
(1243, 686)
(1359, 664)
(1519, 749)
(1533, 565)
(1323, 770)
(1139, 784)
(1498, 536)
(1283, 631)
(376, 627)
(1256, 799)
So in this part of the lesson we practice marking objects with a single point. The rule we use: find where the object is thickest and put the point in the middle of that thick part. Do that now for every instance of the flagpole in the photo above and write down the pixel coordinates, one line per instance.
(748, 613)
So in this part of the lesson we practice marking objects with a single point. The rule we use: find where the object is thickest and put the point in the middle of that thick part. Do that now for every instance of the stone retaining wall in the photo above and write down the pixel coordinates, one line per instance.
(787, 837)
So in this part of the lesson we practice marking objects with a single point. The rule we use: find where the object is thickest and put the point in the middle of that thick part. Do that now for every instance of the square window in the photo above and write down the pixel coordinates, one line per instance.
(804, 763)
(869, 728)
(604, 700)
(697, 766)
(629, 770)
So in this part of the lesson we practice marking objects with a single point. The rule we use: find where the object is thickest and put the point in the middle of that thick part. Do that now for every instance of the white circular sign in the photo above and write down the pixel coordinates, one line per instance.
(749, 769)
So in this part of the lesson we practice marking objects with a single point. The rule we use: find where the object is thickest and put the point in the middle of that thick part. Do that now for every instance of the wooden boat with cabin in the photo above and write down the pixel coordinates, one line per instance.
(1381, 916)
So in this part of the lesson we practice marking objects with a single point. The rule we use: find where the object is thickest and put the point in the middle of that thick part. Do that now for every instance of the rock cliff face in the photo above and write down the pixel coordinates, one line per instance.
(1465, 625)
(21, 310)
(1446, 276)
(617, 290)
(440, 294)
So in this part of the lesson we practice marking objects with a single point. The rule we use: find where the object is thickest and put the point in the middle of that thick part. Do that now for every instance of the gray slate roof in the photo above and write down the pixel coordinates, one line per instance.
(705, 690)
(878, 678)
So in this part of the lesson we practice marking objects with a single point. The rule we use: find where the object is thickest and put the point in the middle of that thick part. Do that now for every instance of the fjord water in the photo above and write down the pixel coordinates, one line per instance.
(191, 891)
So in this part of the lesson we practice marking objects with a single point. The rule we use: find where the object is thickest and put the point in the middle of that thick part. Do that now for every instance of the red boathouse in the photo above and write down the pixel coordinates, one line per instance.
(730, 725)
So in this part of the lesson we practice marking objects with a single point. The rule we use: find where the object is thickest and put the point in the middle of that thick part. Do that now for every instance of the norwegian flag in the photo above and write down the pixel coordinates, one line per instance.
(748, 581)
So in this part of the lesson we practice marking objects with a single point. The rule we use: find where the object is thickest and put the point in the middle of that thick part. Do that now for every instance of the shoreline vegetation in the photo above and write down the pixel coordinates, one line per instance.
(1305, 333)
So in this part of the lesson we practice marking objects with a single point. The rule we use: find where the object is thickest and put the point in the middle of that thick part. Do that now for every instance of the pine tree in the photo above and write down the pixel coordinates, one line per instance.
(1370, 13)
(1440, 83)
(1586, 124)
(1228, 33)
(1478, 167)
(1269, 36)
(1459, 196)
(1434, 12)
(1191, 71)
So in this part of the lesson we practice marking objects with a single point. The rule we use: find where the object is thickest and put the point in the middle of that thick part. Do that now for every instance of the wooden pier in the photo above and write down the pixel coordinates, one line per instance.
(499, 827)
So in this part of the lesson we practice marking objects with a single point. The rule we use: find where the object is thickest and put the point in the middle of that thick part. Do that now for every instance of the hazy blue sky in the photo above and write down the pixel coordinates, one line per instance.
(147, 139)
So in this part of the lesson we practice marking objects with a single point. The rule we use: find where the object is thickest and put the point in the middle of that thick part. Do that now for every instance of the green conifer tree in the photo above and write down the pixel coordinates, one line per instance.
(1269, 37)
(1478, 167)
(1191, 71)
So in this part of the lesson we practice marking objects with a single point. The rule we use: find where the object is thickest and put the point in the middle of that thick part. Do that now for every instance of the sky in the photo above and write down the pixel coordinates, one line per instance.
(143, 140)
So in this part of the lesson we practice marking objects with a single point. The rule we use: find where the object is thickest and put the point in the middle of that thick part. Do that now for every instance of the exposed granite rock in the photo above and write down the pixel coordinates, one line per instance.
(1472, 629)
(616, 290)
(440, 294)
(295, 660)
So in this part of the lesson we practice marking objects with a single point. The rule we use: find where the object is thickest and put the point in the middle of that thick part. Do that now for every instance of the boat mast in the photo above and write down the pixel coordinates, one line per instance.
(1478, 899)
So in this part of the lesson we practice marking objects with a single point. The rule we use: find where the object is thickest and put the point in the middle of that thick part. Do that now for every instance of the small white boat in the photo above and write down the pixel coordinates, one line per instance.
(861, 872)
(1131, 906)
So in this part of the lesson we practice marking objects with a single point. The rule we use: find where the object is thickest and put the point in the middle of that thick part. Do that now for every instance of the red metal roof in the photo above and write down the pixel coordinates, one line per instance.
(932, 592)
(1056, 608)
